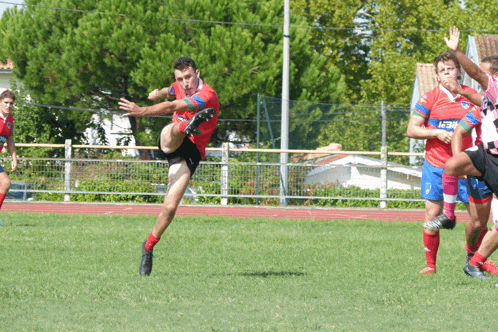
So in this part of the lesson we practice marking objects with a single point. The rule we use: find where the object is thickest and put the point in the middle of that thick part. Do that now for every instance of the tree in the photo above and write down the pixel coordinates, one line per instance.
(340, 38)
(359, 128)
(104, 50)
(406, 32)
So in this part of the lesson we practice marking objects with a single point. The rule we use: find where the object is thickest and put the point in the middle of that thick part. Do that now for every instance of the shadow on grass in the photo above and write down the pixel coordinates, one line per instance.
(272, 274)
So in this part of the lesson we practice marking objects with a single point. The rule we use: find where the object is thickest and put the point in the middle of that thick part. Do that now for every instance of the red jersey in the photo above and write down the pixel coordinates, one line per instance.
(441, 111)
(6, 129)
(204, 97)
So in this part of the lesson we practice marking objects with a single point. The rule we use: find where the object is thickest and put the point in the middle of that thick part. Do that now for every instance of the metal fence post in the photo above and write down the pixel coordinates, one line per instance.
(383, 158)
(383, 178)
(67, 171)
(224, 174)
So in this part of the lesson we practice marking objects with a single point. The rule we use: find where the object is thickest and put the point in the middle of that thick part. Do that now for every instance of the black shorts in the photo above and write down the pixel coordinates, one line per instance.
(487, 164)
(187, 151)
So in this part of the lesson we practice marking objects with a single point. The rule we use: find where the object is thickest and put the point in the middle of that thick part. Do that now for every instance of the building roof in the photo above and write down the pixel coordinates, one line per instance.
(7, 65)
(486, 45)
(426, 77)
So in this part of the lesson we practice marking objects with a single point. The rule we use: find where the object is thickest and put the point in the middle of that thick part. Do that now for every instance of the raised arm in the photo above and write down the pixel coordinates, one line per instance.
(165, 107)
(158, 94)
(471, 68)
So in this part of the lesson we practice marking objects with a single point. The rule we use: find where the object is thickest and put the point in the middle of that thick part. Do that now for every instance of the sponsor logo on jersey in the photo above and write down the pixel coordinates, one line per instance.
(448, 125)
(465, 104)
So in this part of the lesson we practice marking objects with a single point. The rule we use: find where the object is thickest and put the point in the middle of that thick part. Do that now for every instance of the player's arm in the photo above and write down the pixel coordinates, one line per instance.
(159, 94)
(416, 130)
(457, 139)
(471, 68)
(11, 147)
(453, 86)
(166, 107)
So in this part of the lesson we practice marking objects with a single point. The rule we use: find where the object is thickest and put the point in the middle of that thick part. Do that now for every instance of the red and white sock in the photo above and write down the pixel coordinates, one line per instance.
(450, 193)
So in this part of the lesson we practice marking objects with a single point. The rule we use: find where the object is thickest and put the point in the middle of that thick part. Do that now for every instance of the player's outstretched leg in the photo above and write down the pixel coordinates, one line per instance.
(441, 222)
(199, 118)
(146, 263)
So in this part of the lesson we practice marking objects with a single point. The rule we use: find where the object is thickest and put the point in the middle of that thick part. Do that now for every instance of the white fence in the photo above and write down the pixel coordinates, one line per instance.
(349, 175)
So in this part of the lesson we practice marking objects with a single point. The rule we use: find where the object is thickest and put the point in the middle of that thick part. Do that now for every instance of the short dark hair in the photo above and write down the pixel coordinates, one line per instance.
(447, 56)
(493, 63)
(184, 63)
(7, 94)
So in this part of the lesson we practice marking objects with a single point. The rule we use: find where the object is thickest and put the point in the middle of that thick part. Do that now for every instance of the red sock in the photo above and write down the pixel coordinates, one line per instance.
(151, 242)
(2, 197)
(182, 125)
(472, 249)
(450, 193)
(477, 259)
(481, 236)
(431, 245)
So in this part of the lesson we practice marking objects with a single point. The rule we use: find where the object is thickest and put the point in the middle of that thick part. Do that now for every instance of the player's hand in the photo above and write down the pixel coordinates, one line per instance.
(14, 165)
(454, 39)
(444, 136)
(154, 95)
(131, 108)
(451, 84)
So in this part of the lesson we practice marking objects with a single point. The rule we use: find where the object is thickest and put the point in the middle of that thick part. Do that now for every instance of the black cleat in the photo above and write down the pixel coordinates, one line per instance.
(146, 263)
(474, 271)
(441, 222)
(198, 119)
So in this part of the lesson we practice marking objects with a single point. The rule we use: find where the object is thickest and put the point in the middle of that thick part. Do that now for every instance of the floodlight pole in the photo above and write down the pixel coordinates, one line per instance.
(284, 135)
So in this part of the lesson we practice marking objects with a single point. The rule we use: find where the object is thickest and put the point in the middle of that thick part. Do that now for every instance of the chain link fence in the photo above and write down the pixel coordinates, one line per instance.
(320, 182)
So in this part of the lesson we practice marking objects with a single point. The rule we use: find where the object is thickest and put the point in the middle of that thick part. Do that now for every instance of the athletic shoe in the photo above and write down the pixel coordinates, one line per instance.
(146, 263)
(490, 267)
(199, 118)
(428, 270)
(474, 271)
(469, 257)
(441, 221)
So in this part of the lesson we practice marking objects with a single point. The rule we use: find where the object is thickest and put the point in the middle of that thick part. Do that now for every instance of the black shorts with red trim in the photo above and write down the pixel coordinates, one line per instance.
(187, 151)
(487, 164)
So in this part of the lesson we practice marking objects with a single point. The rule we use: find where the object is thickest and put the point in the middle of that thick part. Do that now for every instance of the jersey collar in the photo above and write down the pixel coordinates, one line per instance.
(199, 87)
(448, 93)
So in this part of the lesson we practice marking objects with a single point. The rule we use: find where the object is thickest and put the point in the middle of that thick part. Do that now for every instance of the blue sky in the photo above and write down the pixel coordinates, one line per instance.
(4, 6)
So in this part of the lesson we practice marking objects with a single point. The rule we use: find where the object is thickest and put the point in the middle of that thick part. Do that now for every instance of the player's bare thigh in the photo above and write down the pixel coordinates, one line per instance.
(460, 165)
(171, 138)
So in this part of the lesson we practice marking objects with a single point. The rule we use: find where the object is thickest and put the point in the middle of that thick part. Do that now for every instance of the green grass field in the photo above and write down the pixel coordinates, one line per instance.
(80, 273)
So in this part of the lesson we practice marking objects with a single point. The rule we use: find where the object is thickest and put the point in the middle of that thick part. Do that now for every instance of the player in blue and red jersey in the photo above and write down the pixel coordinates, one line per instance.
(7, 99)
(434, 119)
(480, 161)
(182, 142)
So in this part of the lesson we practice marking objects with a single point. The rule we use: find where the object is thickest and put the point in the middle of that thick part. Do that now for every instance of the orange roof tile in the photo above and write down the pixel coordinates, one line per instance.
(426, 77)
(486, 45)
(7, 65)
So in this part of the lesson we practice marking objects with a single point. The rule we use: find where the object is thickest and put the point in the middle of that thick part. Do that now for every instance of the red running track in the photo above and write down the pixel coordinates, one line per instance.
(233, 211)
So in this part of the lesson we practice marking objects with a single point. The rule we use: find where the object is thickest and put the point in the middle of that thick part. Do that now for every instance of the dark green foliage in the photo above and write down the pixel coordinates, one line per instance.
(127, 49)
